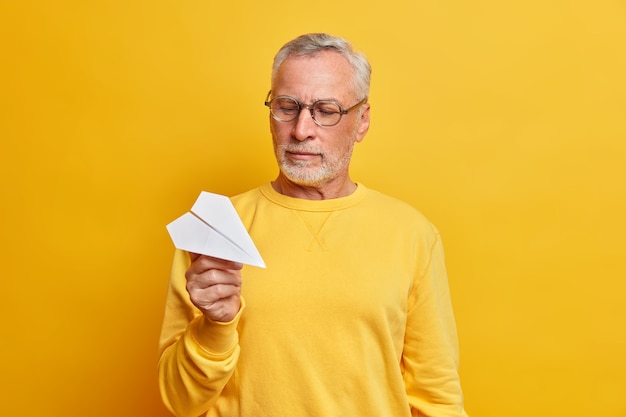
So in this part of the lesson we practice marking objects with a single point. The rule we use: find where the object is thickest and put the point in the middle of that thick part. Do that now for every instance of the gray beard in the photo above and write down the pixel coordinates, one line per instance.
(301, 173)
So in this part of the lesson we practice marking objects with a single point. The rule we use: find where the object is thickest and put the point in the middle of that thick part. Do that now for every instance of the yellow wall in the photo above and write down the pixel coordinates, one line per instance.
(503, 121)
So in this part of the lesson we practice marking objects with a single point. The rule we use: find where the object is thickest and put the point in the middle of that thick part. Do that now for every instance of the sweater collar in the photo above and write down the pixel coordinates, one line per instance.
(313, 205)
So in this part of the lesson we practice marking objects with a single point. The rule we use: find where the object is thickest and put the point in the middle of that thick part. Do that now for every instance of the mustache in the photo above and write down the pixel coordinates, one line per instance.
(300, 148)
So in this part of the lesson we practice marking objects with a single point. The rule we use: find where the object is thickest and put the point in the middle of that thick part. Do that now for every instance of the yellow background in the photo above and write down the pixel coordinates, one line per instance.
(503, 121)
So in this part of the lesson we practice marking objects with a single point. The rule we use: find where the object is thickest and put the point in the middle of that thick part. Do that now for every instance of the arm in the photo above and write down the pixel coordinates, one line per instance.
(430, 356)
(198, 354)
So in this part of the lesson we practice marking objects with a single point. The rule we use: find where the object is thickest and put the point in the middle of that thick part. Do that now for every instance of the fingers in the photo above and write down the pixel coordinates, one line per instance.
(203, 262)
(206, 278)
(214, 286)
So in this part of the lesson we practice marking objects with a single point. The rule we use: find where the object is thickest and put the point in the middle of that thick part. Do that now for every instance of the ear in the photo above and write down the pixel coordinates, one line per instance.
(364, 123)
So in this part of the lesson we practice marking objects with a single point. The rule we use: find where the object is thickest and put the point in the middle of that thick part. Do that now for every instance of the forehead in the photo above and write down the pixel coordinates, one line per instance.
(324, 75)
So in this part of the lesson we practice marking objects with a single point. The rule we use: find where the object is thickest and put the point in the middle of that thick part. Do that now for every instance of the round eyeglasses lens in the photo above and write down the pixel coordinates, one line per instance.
(284, 109)
(327, 113)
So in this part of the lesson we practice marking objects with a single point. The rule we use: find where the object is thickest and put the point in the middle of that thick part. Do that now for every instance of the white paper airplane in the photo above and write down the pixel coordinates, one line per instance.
(214, 228)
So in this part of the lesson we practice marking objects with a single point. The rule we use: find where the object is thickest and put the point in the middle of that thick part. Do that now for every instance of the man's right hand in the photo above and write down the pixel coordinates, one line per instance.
(214, 286)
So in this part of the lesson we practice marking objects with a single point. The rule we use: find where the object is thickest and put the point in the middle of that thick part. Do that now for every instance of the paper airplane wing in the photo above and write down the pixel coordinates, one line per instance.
(214, 228)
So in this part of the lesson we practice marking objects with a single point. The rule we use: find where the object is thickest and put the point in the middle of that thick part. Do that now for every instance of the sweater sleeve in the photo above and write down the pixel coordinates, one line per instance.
(430, 355)
(197, 356)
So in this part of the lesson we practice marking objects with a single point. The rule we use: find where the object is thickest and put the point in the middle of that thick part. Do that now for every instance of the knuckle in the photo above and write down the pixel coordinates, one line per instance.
(220, 291)
(188, 275)
(212, 275)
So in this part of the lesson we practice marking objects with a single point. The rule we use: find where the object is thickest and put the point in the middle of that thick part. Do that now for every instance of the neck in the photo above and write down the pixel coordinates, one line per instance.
(325, 191)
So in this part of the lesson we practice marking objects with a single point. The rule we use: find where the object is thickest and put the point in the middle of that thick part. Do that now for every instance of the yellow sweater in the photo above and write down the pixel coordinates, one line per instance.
(351, 318)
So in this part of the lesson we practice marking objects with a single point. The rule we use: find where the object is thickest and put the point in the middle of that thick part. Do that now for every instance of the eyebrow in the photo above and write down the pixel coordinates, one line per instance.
(333, 99)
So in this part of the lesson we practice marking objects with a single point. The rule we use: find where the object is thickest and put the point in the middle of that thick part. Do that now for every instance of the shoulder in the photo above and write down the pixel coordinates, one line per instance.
(398, 211)
(247, 203)
(246, 196)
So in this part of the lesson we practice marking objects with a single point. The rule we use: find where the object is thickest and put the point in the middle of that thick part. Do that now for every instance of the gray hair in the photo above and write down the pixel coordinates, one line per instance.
(313, 43)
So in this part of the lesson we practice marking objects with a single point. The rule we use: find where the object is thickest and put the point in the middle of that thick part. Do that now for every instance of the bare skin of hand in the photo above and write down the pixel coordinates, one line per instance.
(214, 286)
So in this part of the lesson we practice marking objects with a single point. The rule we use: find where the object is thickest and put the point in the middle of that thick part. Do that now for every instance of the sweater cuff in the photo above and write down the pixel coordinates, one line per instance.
(216, 338)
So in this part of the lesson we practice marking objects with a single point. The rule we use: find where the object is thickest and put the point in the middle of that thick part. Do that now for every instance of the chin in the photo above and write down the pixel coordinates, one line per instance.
(306, 178)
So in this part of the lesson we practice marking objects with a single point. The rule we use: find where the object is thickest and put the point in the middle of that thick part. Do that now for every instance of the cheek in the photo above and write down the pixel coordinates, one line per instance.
(280, 132)
(350, 137)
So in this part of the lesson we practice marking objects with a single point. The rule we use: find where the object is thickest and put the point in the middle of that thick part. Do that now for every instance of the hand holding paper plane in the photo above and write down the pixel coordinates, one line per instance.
(213, 228)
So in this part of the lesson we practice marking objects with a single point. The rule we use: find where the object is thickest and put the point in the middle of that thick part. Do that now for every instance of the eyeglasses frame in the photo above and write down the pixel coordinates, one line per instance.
(301, 106)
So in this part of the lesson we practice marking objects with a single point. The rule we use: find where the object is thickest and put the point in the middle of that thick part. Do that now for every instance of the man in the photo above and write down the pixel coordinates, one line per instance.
(352, 316)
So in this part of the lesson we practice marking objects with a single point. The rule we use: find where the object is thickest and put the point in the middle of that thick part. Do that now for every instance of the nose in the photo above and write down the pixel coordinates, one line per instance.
(304, 127)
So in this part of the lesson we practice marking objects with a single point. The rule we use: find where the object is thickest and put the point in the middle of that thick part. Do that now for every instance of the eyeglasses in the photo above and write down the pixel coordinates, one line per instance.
(324, 112)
